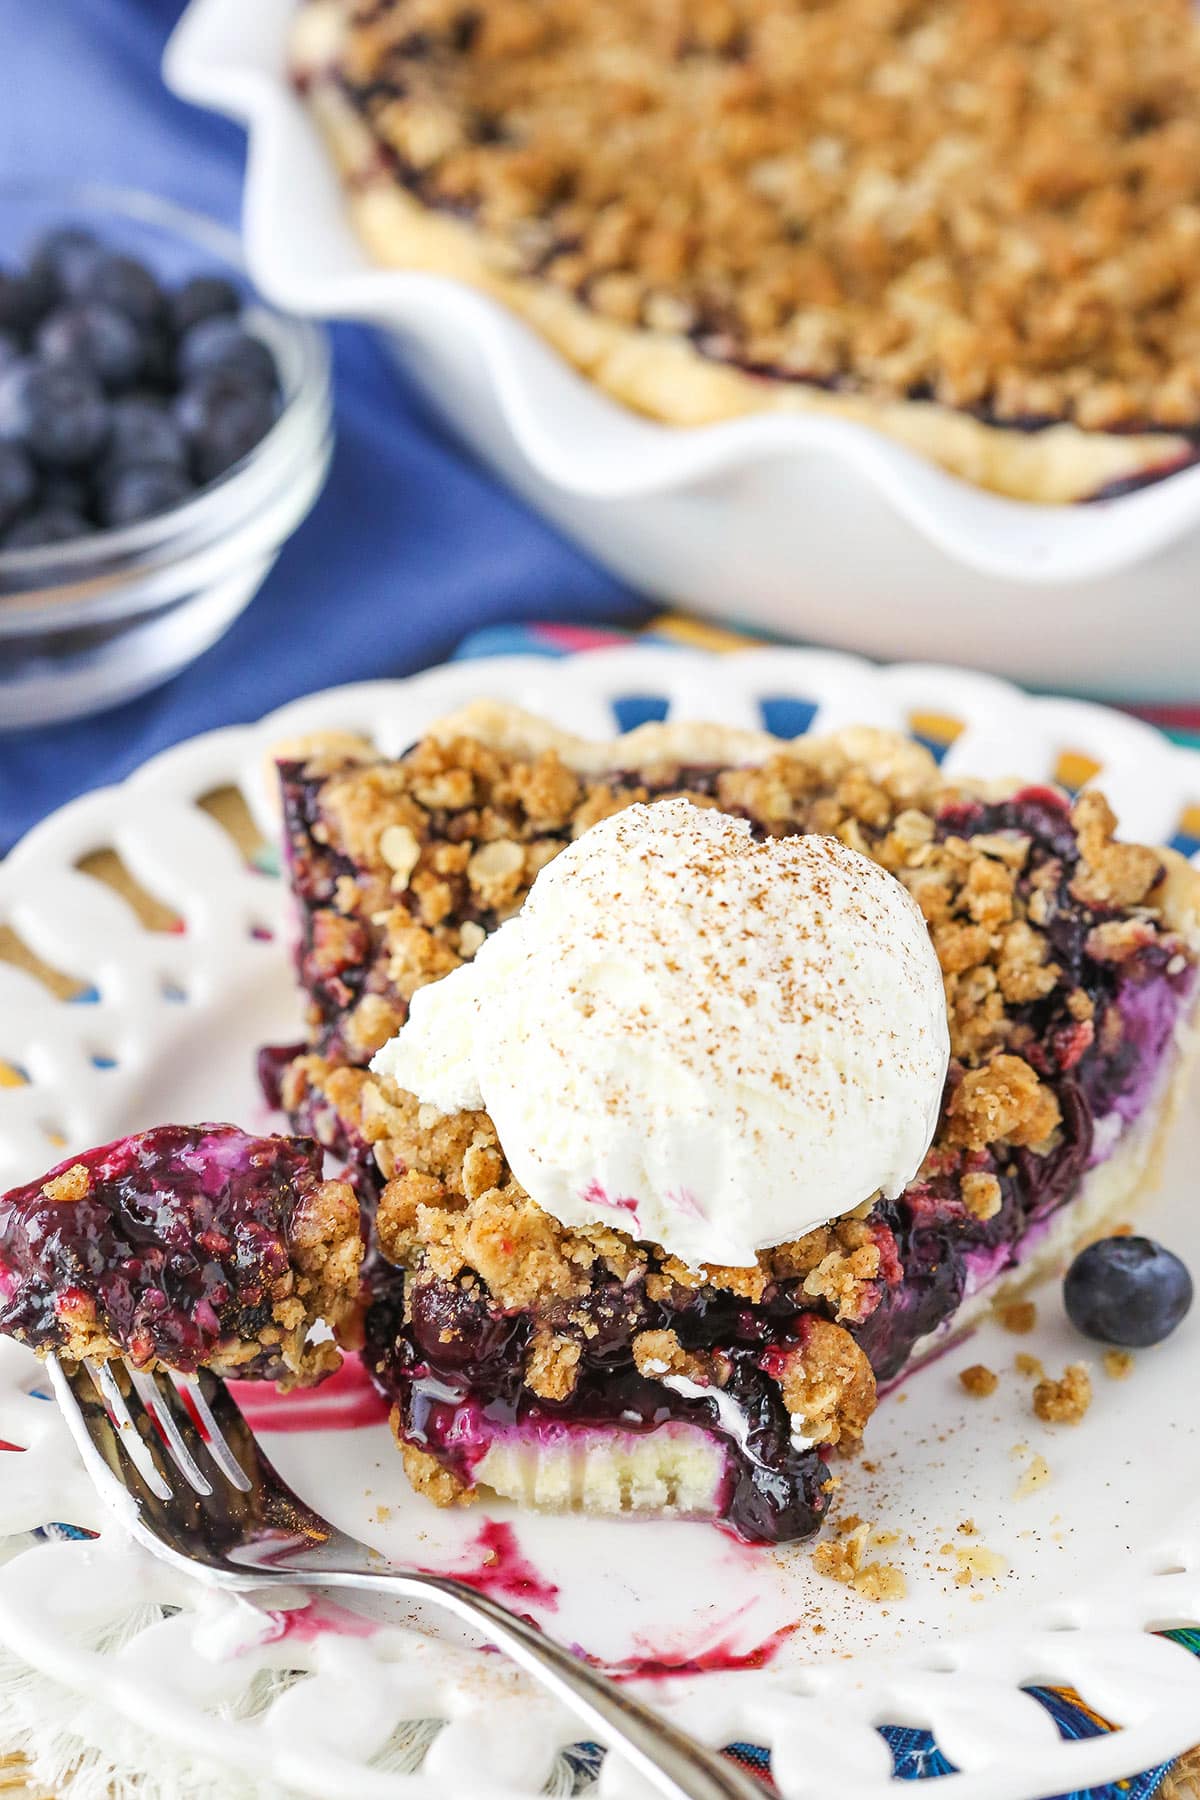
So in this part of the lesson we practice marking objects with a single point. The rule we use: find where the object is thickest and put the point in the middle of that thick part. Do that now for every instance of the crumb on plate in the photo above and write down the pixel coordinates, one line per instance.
(1018, 1316)
(1064, 1402)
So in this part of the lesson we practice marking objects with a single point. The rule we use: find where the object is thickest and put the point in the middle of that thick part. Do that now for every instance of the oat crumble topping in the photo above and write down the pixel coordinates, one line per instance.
(991, 203)
(1017, 1316)
(827, 1384)
(74, 1184)
(979, 1380)
(1064, 1402)
(843, 1558)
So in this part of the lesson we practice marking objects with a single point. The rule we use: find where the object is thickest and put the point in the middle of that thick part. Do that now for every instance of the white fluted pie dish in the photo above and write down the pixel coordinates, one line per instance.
(813, 526)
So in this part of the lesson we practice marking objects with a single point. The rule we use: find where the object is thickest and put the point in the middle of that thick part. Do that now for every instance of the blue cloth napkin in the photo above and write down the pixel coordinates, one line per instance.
(411, 545)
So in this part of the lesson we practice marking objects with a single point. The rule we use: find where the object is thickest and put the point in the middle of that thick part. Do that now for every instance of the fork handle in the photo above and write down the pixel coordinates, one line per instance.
(674, 1763)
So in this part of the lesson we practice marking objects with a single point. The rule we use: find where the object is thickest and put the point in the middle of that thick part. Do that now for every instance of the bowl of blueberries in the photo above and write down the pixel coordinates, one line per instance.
(162, 432)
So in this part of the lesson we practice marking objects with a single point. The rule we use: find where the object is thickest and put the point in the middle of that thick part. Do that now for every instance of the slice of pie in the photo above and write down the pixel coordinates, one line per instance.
(975, 228)
(187, 1247)
(584, 1364)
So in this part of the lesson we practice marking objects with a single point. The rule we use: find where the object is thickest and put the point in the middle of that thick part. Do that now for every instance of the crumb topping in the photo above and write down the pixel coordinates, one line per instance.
(659, 1353)
(827, 1383)
(430, 1477)
(1017, 1316)
(1065, 1401)
(844, 1558)
(74, 1184)
(993, 206)
(979, 1380)
(981, 1194)
(436, 1213)
(1004, 1100)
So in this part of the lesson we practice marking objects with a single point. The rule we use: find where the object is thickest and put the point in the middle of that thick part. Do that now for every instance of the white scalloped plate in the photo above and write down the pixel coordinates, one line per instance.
(809, 526)
(1094, 1559)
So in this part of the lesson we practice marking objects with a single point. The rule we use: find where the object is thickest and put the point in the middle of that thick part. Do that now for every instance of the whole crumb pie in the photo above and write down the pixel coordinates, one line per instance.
(974, 226)
(585, 1366)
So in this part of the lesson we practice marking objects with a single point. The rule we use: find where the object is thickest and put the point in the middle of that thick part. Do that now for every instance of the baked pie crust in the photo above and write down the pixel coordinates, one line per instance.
(976, 229)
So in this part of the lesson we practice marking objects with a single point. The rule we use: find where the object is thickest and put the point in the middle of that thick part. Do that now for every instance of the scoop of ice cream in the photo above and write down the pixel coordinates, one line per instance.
(711, 1042)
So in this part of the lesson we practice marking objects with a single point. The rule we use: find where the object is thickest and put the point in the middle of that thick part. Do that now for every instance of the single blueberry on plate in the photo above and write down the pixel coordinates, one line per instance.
(140, 492)
(222, 422)
(47, 527)
(57, 410)
(203, 297)
(18, 483)
(1127, 1291)
(127, 284)
(143, 431)
(221, 346)
(65, 260)
(95, 337)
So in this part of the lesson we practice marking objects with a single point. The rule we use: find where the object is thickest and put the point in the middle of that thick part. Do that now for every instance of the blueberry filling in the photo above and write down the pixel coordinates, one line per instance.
(178, 1245)
(454, 1368)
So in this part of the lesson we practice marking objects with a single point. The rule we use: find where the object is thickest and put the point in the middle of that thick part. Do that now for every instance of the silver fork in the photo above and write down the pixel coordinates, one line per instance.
(176, 1459)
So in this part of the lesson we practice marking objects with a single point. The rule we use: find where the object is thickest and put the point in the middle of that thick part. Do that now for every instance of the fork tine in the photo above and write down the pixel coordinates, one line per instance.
(135, 1446)
(204, 1397)
(156, 1396)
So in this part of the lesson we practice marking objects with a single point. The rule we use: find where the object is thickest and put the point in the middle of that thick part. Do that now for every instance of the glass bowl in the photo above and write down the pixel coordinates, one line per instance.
(92, 622)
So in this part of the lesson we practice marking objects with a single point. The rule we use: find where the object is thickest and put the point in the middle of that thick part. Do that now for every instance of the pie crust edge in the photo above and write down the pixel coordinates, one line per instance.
(662, 375)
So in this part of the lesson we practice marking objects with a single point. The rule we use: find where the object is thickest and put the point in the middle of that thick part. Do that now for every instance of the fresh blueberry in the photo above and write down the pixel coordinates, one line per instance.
(46, 527)
(158, 358)
(57, 410)
(13, 408)
(221, 347)
(10, 349)
(18, 483)
(203, 297)
(66, 259)
(144, 431)
(128, 285)
(222, 422)
(22, 301)
(95, 337)
(141, 491)
(1128, 1291)
(63, 492)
